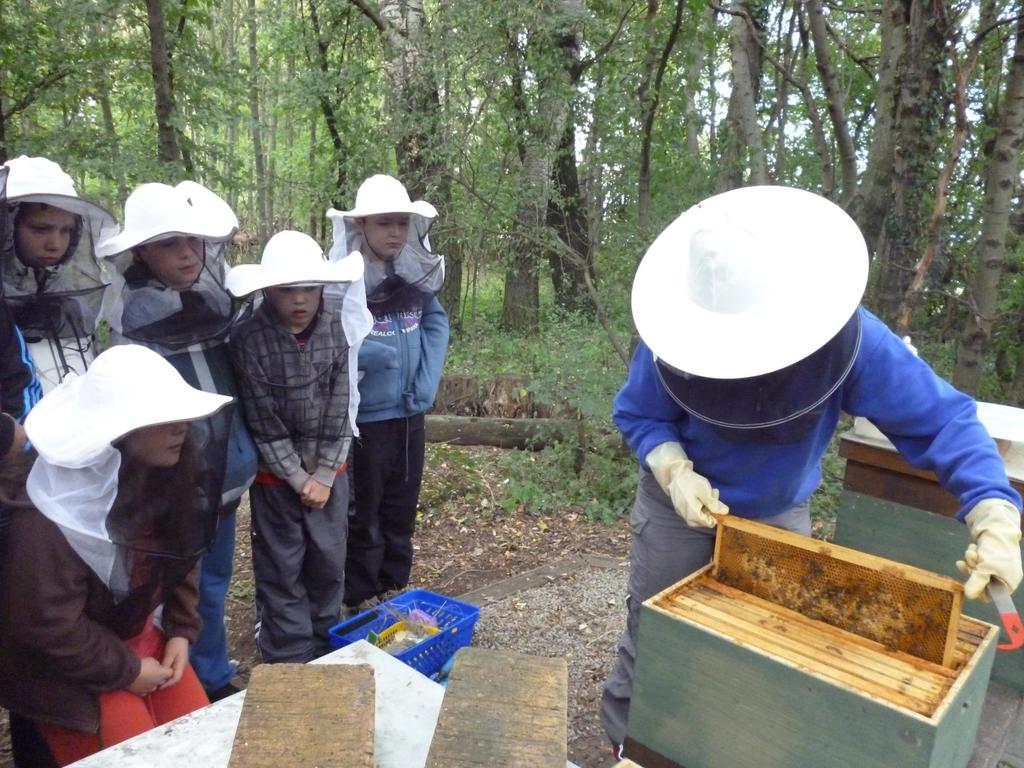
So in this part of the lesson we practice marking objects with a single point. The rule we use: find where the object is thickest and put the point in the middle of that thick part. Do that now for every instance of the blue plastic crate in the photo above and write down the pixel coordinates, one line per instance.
(455, 619)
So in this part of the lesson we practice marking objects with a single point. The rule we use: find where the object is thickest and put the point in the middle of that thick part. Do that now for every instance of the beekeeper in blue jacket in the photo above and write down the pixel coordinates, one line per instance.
(753, 342)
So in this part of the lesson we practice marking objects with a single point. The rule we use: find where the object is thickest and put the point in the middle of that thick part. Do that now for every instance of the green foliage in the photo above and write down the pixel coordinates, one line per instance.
(452, 475)
(570, 365)
(825, 499)
(546, 483)
(77, 87)
(569, 362)
(541, 483)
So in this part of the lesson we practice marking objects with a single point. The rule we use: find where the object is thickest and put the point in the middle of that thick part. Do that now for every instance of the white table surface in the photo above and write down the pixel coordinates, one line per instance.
(407, 705)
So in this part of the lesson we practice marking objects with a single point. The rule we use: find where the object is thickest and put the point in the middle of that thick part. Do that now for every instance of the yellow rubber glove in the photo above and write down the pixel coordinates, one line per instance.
(692, 495)
(995, 547)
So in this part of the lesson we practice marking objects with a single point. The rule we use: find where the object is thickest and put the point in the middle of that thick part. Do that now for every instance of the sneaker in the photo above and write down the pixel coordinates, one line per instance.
(228, 689)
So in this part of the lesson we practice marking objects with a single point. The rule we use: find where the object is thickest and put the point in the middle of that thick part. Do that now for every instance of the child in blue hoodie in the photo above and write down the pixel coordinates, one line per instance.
(400, 364)
(169, 295)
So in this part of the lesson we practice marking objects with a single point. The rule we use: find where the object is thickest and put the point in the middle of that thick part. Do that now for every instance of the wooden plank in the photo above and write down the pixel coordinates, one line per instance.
(502, 710)
(825, 644)
(306, 716)
(864, 452)
(893, 486)
(798, 631)
(902, 607)
(867, 450)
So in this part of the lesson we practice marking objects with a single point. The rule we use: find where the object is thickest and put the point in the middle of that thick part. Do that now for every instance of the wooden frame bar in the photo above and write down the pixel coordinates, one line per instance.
(904, 608)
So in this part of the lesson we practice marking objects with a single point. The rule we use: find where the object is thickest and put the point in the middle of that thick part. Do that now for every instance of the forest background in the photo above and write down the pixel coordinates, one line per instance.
(557, 138)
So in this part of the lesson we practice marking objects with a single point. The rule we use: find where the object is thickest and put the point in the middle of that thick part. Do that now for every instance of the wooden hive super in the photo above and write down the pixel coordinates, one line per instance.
(789, 652)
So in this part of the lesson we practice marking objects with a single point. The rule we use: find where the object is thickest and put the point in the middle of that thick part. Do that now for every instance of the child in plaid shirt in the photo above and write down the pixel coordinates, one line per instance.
(291, 358)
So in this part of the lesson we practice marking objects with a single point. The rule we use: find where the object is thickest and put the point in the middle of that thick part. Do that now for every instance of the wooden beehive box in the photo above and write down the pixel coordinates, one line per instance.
(894, 510)
(787, 652)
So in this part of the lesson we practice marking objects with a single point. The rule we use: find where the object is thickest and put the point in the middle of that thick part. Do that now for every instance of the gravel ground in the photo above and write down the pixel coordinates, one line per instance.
(578, 617)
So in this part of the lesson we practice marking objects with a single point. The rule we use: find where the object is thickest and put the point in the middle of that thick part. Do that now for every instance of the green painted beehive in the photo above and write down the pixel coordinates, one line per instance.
(726, 678)
(896, 511)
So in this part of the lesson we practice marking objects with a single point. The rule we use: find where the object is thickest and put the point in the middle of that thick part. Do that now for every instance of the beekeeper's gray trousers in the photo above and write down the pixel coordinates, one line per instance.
(664, 551)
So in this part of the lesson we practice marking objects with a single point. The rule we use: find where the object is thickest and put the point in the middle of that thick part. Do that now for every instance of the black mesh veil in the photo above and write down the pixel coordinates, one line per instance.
(773, 400)
(147, 312)
(163, 520)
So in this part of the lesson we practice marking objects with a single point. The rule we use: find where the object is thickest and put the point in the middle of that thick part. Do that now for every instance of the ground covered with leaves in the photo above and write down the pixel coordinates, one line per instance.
(465, 540)
(487, 515)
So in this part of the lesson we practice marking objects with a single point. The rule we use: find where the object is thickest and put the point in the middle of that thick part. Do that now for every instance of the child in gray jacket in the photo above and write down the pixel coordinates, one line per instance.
(291, 358)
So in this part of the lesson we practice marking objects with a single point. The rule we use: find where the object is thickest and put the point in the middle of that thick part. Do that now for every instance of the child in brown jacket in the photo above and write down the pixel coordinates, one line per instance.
(98, 604)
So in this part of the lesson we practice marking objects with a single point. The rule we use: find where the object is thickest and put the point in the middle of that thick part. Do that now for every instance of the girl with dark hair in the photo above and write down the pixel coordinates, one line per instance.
(99, 600)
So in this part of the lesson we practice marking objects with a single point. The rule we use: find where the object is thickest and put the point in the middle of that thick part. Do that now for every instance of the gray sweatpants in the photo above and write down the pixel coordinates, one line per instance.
(298, 562)
(664, 551)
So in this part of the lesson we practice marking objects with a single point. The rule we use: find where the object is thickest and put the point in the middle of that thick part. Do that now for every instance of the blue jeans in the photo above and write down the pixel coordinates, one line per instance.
(209, 653)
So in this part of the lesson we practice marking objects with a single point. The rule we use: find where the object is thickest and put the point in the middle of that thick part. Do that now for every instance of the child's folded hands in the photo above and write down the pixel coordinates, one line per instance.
(315, 494)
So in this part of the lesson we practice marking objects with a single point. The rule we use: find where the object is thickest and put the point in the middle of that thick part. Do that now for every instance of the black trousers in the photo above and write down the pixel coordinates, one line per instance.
(28, 747)
(387, 469)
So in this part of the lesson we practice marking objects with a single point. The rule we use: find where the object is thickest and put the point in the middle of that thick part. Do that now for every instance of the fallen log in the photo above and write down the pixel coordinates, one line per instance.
(527, 434)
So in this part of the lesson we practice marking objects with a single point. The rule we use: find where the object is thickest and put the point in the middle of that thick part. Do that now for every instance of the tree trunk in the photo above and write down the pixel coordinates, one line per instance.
(744, 145)
(259, 161)
(230, 49)
(116, 169)
(1016, 393)
(521, 302)
(646, 99)
(919, 110)
(779, 115)
(167, 137)
(414, 110)
(547, 119)
(592, 180)
(962, 75)
(567, 215)
(315, 216)
(327, 107)
(414, 102)
(695, 51)
(649, 94)
(836, 98)
(871, 206)
(1001, 179)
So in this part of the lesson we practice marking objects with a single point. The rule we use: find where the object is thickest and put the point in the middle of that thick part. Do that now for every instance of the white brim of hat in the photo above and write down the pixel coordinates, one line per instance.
(201, 227)
(247, 278)
(419, 208)
(68, 433)
(817, 266)
(75, 205)
(210, 218)
(126, 241)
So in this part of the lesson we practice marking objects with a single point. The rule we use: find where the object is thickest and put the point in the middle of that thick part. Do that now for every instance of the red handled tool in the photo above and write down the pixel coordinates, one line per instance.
(1008, 613)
